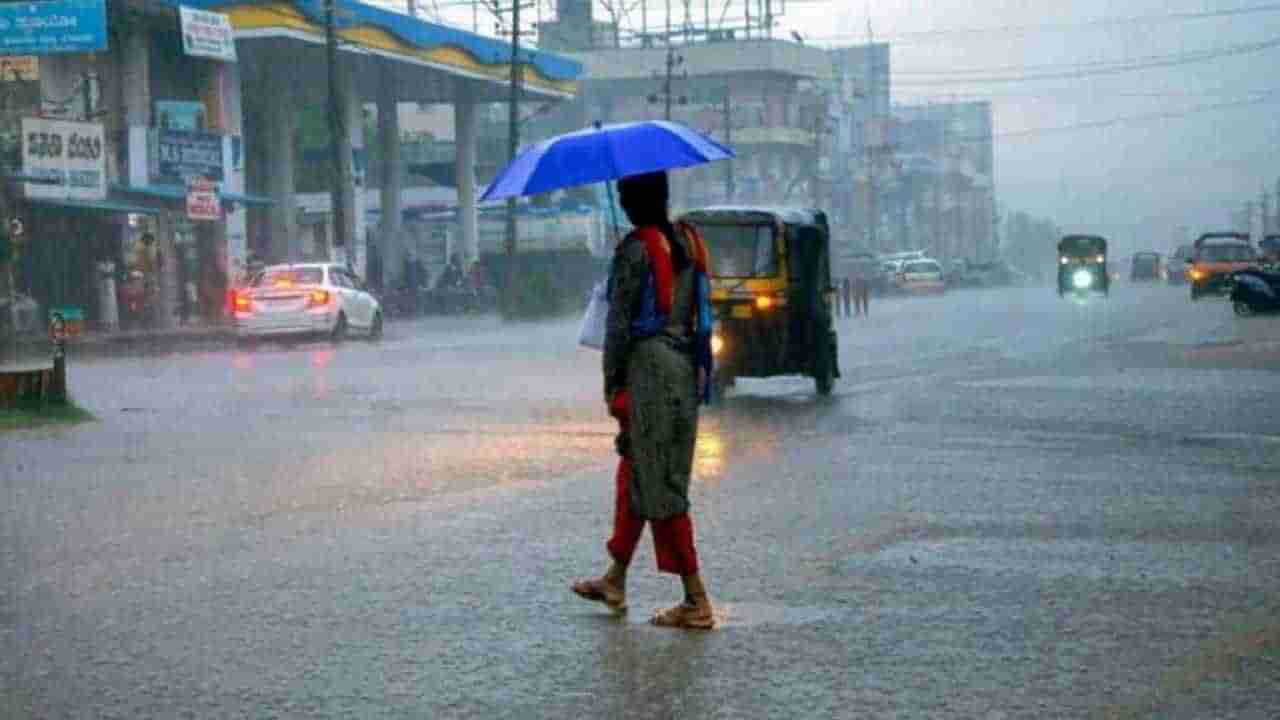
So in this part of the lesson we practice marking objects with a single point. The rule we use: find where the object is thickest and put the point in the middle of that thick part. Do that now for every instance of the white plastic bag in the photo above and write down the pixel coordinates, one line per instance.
(593, 322)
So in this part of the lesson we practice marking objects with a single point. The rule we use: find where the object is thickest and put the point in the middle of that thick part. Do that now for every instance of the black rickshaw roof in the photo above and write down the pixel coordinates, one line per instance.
(1086, 241)
(1218, 238)
(756, 213)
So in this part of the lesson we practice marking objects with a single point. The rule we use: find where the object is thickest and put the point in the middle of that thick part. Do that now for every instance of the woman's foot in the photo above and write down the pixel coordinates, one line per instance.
(692, 614)
(602, 590)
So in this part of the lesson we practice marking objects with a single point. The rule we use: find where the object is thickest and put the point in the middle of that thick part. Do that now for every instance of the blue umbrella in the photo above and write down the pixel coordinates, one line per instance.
(602, 153)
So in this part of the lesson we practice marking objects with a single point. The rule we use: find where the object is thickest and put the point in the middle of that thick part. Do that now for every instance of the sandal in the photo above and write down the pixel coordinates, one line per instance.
(686, 616)
(602, 591)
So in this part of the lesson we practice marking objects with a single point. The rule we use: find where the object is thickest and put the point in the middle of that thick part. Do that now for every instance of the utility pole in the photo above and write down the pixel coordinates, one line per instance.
(673, 61)
(337, 129)
(513, 144)
(729, 181)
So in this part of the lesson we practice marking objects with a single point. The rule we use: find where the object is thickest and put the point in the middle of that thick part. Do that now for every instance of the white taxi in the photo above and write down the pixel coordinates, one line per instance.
(923, 276)
(305, 299)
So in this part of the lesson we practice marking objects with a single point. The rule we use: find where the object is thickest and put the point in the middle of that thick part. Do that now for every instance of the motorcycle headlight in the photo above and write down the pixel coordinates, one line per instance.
(1082, 279)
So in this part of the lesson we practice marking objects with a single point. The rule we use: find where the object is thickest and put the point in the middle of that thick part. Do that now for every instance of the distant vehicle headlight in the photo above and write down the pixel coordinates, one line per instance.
(717, 344)
(1064, 260)
(1082, 279)
(1101, 258)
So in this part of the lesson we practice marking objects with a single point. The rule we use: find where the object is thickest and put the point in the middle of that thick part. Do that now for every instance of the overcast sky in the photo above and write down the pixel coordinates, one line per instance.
(1137, 182)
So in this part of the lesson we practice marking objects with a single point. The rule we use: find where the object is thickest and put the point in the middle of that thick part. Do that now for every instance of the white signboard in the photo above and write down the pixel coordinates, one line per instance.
(69, 158)
(207, 34)
(202, 201)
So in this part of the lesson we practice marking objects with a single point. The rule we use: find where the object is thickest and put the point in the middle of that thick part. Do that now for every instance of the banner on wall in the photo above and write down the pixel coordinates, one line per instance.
(68, 157)
(207, 34)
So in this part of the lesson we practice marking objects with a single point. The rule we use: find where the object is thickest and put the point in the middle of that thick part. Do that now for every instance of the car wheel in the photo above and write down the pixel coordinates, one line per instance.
(375, 330)
(245, 342)
(1194, 296)
(1243, 309)
(339, 332)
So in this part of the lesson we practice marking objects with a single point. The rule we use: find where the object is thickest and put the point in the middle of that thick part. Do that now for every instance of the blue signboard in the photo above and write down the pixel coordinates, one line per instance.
(53, 26)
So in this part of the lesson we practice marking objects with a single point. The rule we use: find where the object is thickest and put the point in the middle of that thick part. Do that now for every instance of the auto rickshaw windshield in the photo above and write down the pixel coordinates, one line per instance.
(741, 251)
(1079, 246)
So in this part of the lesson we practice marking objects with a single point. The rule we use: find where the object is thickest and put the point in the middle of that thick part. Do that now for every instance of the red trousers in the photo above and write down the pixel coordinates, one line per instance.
(672, 537)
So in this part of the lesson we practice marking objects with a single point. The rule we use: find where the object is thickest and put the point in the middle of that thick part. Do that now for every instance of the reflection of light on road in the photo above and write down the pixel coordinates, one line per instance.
(242, 361)
(708, 457)
(321, 358)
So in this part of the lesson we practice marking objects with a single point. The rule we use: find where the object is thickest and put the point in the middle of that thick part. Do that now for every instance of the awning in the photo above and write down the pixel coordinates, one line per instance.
(178, 192)
(95, 205)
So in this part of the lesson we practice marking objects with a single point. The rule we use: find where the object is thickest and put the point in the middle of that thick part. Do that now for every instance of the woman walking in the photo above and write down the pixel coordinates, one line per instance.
(656, 360)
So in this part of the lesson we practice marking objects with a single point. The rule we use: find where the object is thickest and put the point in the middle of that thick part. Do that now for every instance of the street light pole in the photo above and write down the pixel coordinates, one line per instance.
(513, 144)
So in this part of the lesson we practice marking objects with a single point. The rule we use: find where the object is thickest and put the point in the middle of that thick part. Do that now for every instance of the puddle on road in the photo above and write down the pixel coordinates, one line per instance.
(746, 615)
(1170, 562)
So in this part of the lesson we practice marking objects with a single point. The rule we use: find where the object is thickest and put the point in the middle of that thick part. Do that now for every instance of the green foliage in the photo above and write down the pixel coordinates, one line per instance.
(35, 414)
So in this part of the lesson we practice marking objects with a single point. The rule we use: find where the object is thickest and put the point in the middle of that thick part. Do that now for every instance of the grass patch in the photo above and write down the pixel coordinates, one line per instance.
(37, 415)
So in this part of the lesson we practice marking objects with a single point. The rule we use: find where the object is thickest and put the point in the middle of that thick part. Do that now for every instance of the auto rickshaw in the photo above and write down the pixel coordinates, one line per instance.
(1082, 265)
(771, 292)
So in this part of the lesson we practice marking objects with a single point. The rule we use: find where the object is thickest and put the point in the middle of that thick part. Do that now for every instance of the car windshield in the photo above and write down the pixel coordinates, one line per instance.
(1225, 253)
(923, 266)
(739, 251)
(288, 277)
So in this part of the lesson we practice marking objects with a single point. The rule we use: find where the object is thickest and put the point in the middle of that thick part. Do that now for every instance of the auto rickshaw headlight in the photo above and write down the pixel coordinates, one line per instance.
(1082, 279)
(717, 344)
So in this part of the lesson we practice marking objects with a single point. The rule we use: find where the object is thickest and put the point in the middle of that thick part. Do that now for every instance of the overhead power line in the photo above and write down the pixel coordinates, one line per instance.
(1123, 120)
(1087, 70)
(1007, 31)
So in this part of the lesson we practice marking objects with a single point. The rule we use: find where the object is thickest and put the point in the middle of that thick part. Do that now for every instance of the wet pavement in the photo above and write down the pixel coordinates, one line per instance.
(1014, 506)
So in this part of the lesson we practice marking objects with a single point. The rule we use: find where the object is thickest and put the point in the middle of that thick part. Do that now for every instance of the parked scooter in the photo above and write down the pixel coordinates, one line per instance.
(1255, 291)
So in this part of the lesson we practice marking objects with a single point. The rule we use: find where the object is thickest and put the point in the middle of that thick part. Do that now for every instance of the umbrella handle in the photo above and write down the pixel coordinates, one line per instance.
(613, 212)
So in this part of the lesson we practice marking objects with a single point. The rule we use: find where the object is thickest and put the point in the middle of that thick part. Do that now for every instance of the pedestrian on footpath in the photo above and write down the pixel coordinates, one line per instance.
(862, 293)
(655, 366)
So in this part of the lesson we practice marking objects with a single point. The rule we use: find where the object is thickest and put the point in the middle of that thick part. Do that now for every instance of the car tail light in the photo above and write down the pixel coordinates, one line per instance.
(318, 298)
(241, 302)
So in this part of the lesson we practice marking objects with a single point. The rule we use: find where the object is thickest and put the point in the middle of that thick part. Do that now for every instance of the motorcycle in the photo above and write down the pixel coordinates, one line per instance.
(1255, 291)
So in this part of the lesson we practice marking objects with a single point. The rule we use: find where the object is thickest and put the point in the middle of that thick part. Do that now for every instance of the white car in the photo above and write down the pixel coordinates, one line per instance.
(920, 276)
(306, 299)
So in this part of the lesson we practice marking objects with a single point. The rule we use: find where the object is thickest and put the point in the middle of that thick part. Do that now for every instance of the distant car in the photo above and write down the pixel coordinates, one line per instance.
(306, 299)
(920, 277)
(1146, 266)
(1178, 264)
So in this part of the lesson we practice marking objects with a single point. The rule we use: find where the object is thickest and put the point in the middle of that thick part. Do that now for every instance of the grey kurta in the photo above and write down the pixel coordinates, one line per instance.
(659, 373)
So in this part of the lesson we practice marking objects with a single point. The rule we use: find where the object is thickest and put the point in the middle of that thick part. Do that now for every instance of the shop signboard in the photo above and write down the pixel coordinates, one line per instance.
(46, 27)
(202, 200)
(207, 34)
(184, 155)
(68, 157)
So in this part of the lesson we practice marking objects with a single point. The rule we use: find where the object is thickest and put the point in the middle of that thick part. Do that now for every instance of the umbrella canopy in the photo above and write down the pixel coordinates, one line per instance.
(605, 152)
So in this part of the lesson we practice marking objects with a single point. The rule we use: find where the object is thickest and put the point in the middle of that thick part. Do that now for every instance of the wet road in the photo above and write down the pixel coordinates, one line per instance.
(1014, 506)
